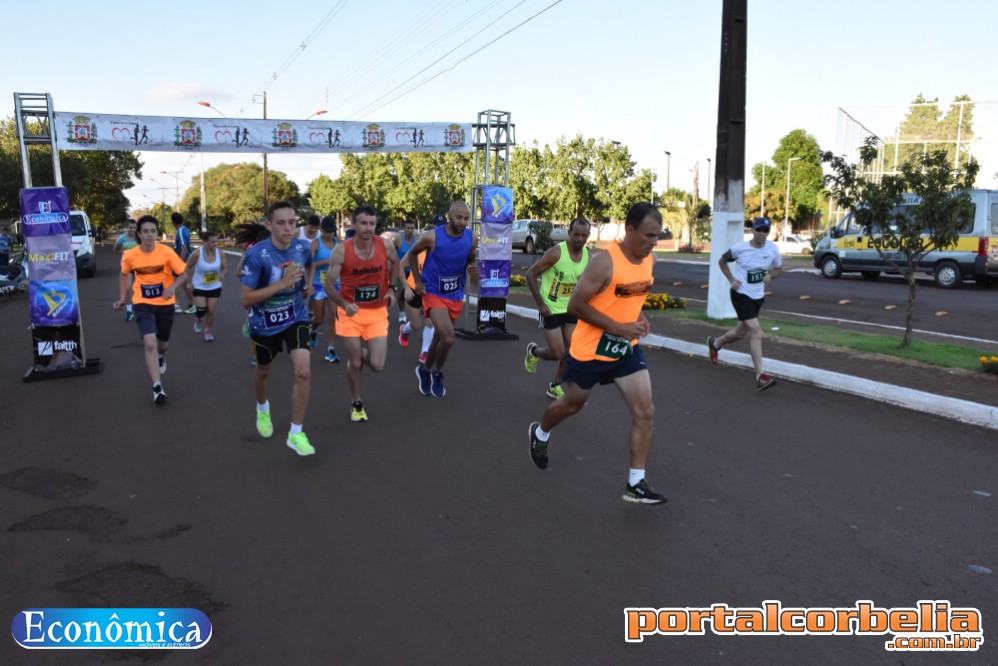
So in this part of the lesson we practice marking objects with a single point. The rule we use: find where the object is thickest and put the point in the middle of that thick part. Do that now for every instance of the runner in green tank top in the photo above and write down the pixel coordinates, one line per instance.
(559, 270)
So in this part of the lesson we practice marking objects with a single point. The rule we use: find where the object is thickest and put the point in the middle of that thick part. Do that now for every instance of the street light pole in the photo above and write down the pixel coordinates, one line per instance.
(710, 195)
(266, 190)
(786, 204)
(668, 169)
(176, 176)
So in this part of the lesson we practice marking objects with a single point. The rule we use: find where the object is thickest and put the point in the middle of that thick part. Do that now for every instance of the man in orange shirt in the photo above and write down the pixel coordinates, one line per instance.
(154, 267)
(365, 266)
(607, 301)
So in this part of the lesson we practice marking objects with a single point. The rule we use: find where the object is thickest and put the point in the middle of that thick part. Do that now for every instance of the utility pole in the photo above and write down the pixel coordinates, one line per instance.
(728, 222)
(266, 190)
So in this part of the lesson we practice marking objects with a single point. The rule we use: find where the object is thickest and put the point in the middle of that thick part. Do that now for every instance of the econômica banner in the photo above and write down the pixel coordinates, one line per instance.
(495, 255)
(101, 131)
(111, 629)
(57, 342)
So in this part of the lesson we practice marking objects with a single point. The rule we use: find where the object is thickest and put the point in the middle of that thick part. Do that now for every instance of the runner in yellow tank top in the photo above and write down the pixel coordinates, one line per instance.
(558, 270)
(608, 300)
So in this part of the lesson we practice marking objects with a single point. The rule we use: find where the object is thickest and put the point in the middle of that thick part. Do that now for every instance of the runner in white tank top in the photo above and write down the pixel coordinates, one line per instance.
(206, 268)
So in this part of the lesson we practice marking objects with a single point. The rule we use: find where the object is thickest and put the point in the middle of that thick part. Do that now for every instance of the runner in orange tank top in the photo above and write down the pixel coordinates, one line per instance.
(366, 266)
(608, 301)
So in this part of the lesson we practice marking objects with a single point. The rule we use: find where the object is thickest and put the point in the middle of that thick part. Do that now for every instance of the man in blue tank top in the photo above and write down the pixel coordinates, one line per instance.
(450, 254)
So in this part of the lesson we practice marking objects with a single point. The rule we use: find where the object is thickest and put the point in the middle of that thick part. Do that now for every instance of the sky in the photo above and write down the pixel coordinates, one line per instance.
(641, 72)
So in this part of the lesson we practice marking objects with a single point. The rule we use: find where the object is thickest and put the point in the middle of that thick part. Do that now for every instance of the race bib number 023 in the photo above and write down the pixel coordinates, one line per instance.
(279, 315)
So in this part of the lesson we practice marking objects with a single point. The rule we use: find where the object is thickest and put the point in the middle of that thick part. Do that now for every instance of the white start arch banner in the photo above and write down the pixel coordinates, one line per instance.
(100, 131)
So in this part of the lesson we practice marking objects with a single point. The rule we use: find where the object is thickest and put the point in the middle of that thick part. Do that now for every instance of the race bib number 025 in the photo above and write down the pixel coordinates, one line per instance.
(450, 284)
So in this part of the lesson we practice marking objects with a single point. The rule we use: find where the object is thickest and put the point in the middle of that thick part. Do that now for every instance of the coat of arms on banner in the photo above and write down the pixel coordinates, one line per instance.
(454, 136)
(374, 136)
(285, 136)
(187, 134)
(81, 130)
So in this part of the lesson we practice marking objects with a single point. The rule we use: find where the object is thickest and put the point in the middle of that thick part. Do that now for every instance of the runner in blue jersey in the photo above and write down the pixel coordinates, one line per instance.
(322, 249)
(450, 254)
(277, 277)
(403, 242)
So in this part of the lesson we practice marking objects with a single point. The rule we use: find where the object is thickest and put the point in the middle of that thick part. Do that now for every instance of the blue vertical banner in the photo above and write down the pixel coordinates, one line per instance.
(57, 342)
(495, 256)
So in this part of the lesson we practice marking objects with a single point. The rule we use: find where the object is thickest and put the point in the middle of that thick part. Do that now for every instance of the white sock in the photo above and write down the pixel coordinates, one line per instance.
(541, 435)
(263, 407)
(635, 476)
(128, 307)
(295, 429)
(427, 337)
(406, 328)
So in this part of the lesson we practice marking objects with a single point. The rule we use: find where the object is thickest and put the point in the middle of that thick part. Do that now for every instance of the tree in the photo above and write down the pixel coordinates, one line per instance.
(95, 180)
(235, 194)
(925, 129)
(806, 178)
(876, 204)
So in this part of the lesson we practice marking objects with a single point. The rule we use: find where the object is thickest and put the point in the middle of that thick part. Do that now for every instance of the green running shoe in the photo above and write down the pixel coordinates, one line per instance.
(555, 391)
(263, 424)
(530, 362)
(299, 444)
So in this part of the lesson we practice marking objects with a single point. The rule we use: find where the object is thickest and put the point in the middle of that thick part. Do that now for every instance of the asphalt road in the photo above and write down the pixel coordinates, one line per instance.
(426, 536)
(967, 308)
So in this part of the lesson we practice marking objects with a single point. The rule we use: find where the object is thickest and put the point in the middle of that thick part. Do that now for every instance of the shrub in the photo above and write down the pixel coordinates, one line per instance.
(663, 302)
(990, 364)
(517, 281)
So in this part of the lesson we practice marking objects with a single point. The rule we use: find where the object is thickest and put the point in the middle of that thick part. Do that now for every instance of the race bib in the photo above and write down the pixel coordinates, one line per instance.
(755, 276)
(366, 293)
(322, 276)
(276, 316)
(566, 289)
(152, 290)
(613, 346)
(210, 278)
(450, 284)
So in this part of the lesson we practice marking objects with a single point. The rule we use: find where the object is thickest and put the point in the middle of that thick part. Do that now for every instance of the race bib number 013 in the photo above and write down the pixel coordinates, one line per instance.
(152, 290)
(613, 346)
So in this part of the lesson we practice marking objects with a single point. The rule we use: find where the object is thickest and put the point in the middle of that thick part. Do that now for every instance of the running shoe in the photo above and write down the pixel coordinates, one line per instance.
(402, 318)
(764, 382)
(357, 412)
(158, 394)
(246, 330)
(403, 336)
(129, 316)
(162, 365)
(538, 449)
(422, 357)
(198, 325)
(190, 310)
(530, 362)
(642, 493)
(331, 356)
(437, 384)
(208, 335)
(423, 375)
(264, 425)
(299, 444)
(177, 309)
(314, 341)
(555, 391)
(712, 350)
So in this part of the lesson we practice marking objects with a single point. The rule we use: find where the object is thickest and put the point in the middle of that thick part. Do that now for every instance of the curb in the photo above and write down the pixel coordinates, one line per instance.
(954, 409)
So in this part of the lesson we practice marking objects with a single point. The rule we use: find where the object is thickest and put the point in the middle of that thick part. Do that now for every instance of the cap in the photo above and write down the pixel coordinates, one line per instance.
(328, 224)
(761, 223)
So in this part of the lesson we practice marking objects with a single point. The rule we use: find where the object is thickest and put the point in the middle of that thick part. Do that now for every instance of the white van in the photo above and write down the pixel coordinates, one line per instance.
(83, 243)
(974, 255)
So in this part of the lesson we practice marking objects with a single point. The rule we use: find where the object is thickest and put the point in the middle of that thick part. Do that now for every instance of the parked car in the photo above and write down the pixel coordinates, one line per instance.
(83, 243)
(794, 244)
(525, 234)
